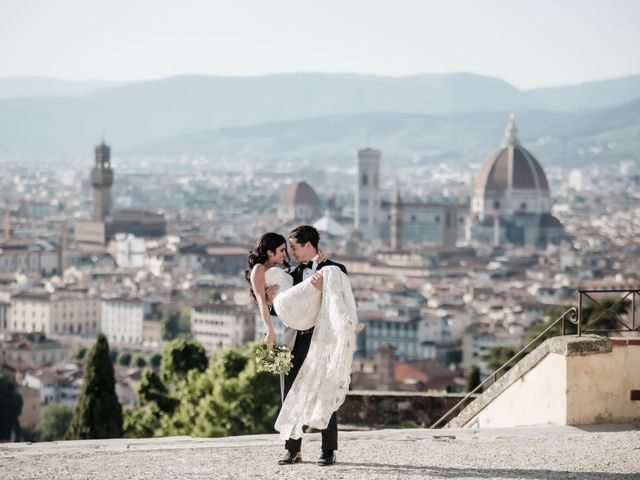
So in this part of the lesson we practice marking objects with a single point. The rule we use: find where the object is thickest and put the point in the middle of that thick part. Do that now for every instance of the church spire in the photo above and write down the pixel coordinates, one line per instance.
(511, 134)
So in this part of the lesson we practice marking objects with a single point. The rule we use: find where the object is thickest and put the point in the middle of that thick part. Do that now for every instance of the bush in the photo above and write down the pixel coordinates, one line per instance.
(124, 359)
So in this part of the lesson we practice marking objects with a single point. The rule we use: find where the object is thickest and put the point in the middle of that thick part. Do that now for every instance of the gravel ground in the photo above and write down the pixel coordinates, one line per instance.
(532, 453)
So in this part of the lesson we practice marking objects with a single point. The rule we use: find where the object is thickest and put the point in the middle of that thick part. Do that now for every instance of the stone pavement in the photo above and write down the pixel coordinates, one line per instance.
(546, 452)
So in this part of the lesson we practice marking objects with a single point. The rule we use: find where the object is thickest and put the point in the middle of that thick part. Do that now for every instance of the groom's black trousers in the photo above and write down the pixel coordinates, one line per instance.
(329, 434)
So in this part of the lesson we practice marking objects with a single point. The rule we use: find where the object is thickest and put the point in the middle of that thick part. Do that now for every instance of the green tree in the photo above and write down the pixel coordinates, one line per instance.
(152, 390)
(497, 356)
(142, 423)
(98, 413)
(10, 408)
(224, 401)
(156, 359)
(552, 315)
(170, 324)
(473, 379)
(80, 352)
(179, 357)
(139, 362)
(176, 323)
(230, 397)
(56, 421)
(184, 322)
(124, 359)
(214, 296)
(113, 355)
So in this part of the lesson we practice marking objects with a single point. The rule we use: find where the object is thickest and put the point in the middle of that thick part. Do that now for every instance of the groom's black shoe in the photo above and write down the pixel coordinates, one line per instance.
(328, 457)
(289, 458)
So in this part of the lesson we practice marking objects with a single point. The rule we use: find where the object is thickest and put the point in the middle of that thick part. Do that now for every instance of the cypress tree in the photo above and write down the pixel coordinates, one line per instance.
(98, 413)
(10, 408)
(473, 379)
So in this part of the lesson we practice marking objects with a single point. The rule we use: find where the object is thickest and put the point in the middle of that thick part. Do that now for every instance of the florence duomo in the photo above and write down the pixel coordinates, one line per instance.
(363, 240)
(511, 200)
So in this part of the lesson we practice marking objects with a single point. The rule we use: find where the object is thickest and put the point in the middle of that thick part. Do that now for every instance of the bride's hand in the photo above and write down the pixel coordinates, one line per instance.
(270, 338)
(316, 280)
(321, 257)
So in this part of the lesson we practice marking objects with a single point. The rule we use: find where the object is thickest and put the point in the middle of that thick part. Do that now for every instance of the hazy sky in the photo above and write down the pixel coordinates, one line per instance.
(529, 43)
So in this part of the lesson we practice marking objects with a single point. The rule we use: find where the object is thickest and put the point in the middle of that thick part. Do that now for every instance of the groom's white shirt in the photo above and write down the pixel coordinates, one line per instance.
(308, 272)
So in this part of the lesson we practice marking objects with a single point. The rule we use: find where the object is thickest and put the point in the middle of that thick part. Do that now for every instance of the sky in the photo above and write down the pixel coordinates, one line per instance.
(528, 43)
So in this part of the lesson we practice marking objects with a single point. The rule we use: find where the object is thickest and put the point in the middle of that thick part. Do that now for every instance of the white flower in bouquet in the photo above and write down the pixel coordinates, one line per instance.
(274, 359)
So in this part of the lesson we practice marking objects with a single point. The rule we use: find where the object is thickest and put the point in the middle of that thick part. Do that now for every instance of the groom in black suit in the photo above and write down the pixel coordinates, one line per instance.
(304, 247)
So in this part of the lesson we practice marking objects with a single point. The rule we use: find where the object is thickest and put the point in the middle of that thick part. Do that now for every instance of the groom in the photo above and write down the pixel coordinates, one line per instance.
(304, 247)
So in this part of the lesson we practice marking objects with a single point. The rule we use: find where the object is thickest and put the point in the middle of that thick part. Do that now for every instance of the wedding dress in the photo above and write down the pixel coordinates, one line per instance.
(323, 380)
(298, 307)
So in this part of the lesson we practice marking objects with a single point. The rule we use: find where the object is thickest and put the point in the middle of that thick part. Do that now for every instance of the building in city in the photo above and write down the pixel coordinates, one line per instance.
(5, 311)
(105, 224)
(418, 224)
(222, 325)
(367, 194)
(62, 312)
(395, 325)
(511, 199)
(39, 256)
(226, 259)
(299, 203)
(122, 320)
(22, 351)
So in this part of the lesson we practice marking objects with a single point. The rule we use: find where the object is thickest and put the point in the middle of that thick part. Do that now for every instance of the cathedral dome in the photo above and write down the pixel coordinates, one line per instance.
(511, 167)
(299, 203)
(511, 179)
(300, 193)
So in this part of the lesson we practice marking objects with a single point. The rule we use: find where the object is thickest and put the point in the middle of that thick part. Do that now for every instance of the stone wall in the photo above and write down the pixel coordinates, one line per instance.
(374, 409)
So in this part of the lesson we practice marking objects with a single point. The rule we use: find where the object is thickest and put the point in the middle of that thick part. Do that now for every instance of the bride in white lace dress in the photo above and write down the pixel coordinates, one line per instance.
(322, 382)
(270, 251)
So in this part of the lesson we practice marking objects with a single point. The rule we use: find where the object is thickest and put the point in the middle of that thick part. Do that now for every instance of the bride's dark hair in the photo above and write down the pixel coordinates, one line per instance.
(269, 242)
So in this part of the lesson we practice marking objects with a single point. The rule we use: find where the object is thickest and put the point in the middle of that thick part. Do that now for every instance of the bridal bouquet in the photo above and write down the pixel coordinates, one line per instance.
(274, 359)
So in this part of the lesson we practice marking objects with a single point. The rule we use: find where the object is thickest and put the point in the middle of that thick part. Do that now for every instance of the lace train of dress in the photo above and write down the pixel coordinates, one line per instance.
(323, 380)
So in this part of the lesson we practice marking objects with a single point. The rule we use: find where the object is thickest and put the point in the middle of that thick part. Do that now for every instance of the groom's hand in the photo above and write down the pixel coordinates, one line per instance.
(270, 292)
(316, 280)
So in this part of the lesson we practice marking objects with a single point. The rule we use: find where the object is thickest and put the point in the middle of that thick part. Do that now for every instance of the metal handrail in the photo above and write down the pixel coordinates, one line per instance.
(573, 319)
(633, 293)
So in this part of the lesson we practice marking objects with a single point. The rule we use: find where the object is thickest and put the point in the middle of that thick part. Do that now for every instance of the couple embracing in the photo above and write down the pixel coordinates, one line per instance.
(315, 303)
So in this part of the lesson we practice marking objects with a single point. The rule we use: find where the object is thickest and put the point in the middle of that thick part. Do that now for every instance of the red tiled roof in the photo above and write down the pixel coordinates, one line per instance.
(512, 164)
(300, 193)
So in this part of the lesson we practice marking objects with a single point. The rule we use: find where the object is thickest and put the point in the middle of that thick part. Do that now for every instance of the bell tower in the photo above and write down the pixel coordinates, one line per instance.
(102, 180)
(367, 201)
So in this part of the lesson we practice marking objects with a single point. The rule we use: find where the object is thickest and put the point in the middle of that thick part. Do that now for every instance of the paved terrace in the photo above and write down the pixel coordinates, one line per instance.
(607, 452)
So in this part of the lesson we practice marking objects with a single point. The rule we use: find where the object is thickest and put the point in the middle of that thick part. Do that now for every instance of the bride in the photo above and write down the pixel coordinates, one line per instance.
(321, 305)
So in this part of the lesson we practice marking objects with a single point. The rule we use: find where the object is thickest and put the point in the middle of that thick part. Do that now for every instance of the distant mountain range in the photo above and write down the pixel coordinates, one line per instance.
(21, 87)
(300, 114)
(465, 137)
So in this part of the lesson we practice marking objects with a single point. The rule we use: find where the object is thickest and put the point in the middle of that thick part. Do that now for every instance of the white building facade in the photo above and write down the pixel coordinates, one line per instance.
(218, 326)
(122, 320)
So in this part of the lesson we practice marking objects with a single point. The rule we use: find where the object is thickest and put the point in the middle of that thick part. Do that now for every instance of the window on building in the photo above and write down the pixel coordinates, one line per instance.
(364, 180)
